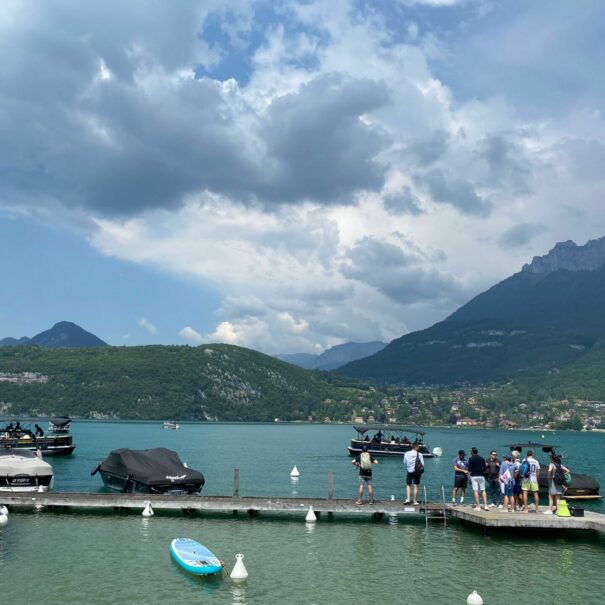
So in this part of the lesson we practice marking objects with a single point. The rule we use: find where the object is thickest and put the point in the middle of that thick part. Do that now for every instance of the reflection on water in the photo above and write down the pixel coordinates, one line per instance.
(238, 594)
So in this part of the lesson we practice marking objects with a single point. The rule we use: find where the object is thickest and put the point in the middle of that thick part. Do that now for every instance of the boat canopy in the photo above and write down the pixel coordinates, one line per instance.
(364, 428)
(20, 462)
(521, 446)
(60, 421)
(153, 466)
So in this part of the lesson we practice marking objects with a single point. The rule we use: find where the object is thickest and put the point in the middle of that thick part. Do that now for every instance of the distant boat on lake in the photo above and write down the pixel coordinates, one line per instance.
(171, 424)
(388, 440)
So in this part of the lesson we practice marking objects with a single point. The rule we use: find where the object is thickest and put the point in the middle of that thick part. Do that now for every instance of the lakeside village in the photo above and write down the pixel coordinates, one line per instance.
(480, 407)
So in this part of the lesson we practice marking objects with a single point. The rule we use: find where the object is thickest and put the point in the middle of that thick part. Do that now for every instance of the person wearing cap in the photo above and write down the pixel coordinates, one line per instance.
(507, 482)
(364, 463)
(460, 477)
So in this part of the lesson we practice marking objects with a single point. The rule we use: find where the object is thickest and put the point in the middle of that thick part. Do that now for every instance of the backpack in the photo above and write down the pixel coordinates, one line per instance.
(524, 469)
(559, 475)
(418, 466)
(365, 461)
(567, 479)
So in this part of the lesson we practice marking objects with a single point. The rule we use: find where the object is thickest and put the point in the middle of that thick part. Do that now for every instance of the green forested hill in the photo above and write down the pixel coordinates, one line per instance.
(530, 327)
(212, 382)
(475, 352)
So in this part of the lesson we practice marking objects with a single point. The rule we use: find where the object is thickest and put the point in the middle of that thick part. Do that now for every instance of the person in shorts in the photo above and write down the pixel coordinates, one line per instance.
(530, 484)
(413, 474)
(460, 477)
(364, 463)
(517, 493)
(477, 470)
(507, 483)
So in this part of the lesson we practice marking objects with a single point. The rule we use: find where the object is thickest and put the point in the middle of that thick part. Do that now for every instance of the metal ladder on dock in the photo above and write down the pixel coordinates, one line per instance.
(432, 513)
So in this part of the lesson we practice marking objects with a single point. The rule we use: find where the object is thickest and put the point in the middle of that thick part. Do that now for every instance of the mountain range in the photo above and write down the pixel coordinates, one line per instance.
(541, 326)
(64, 334)
(334, 357)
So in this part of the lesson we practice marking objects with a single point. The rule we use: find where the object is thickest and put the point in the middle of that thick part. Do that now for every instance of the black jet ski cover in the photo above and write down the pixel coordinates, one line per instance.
(151, 467)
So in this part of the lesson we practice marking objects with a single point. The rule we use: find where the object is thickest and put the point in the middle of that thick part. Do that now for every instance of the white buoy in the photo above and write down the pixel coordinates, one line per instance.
(3, 520)
(437, 452)
(3, 510)
(239, 572)
(474, 599)
(310, 518)
(392, 498)
(294, 472)
(148, 511)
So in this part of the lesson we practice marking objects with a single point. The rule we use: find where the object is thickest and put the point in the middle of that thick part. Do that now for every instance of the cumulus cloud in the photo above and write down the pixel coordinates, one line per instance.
(311, 161)
(445, 188)
(403, 275)
(147, 325)
(191, 335)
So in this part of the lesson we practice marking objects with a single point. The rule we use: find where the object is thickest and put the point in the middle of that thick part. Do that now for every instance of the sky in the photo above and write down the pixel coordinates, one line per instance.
(288, 176)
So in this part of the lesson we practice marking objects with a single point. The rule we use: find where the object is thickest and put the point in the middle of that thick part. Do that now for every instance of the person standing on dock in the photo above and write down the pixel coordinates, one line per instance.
(414, 464)
(517, 493)
(529, 483)
(460, 477)
(493, 479)
(477, 469)
(507, 481)
(364, 464)
(556, 482)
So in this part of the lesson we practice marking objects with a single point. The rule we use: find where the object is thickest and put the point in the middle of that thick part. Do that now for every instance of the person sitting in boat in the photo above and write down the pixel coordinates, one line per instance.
(39, 431)
(405, 441)
(393, 440)
(366, 438)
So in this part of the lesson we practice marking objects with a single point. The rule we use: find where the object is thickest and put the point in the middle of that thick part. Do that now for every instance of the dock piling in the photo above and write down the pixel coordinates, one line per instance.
(236, 482)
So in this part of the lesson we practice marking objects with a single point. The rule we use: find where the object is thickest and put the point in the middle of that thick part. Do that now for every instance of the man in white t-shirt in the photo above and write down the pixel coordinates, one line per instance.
(414, 464)
(530, 483)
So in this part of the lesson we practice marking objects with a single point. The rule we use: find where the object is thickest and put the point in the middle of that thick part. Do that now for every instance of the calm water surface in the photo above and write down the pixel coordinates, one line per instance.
(74, 558)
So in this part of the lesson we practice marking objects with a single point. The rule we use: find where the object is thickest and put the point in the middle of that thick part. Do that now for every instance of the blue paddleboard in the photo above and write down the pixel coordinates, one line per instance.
(194, 557)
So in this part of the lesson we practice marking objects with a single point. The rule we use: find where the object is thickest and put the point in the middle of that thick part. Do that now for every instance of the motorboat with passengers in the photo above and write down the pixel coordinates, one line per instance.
(22, 470)
(153, 471)
(389, 440)
(57, 441)
(582, 487)
(172, 425)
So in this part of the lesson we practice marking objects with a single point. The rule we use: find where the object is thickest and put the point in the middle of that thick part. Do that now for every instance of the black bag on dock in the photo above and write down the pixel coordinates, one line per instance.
(576, 511)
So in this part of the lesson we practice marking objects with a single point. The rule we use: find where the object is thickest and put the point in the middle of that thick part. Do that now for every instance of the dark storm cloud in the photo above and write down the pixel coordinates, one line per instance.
(509, 167)
(520, 235)
(402, 275)
(322, 149)
(428, 150)
(445, 188)
(99, 119)
(403, 202)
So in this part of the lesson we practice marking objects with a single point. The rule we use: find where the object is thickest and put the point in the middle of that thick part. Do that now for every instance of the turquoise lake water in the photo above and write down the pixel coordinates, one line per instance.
(102, 558)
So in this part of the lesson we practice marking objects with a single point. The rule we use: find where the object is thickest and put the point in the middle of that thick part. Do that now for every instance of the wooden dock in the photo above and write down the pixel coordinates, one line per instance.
(331, 506)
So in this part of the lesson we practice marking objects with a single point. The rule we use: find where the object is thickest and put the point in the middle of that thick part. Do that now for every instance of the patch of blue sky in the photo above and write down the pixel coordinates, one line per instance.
(51, 275)
(237, 50)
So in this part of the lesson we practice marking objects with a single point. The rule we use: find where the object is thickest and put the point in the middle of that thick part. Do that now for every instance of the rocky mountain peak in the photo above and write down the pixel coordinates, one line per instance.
(568, 255)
